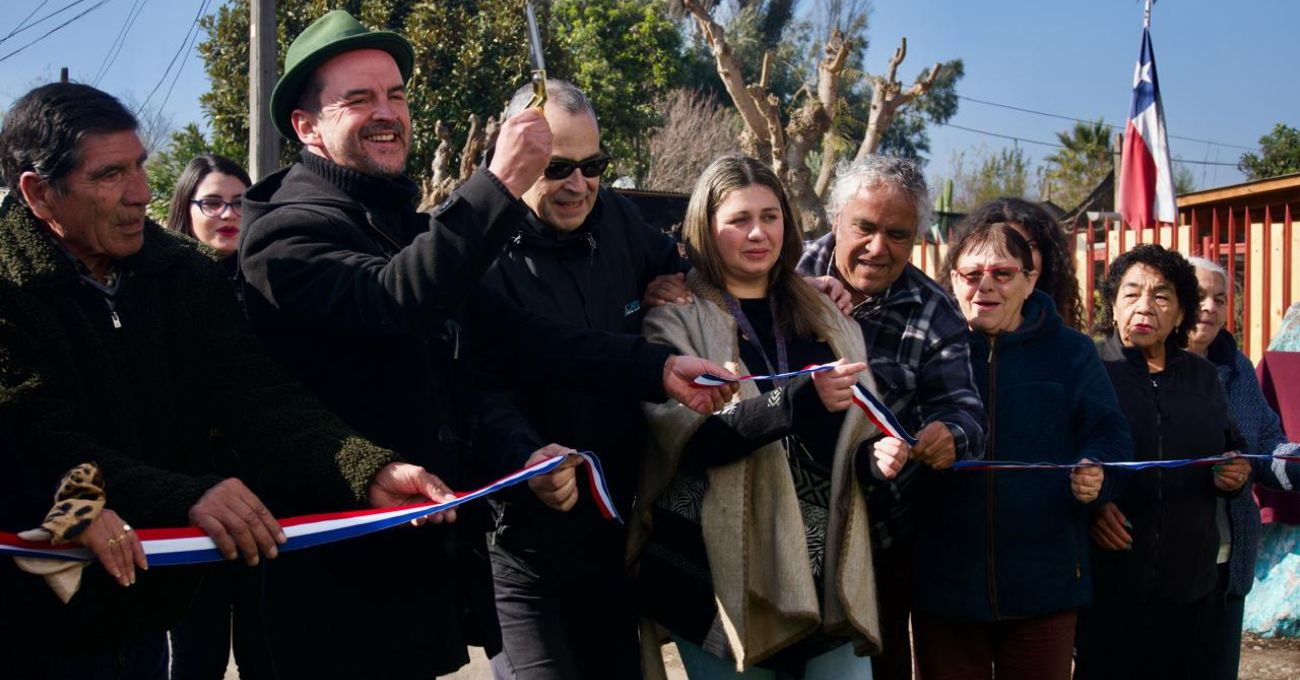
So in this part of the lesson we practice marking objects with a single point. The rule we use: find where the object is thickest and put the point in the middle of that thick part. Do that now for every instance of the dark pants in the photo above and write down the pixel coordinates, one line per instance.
(565, 614)
(384, 606)
(201, 642)
(1038, 648)
(1229, 610)
(1122, 637)
(143, 659)
(894, 591)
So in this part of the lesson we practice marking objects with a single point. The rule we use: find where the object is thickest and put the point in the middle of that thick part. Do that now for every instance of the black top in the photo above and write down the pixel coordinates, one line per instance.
(1180, 412)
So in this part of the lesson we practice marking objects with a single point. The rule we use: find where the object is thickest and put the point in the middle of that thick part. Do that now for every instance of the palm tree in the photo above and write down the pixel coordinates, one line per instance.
(1082, 162)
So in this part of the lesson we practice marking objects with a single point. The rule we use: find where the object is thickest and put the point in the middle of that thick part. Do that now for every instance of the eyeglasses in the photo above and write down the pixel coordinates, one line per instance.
(560, 168)
(214, 207)
(972, 277)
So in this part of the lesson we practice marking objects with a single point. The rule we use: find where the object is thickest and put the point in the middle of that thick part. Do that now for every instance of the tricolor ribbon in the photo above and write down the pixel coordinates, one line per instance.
(710, 380)
(1119, 464)
(888, 423)
(191, 546)
(880, 414)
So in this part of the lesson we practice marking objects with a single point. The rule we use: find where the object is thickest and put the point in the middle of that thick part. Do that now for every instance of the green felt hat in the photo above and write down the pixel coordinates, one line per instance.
(327, 37)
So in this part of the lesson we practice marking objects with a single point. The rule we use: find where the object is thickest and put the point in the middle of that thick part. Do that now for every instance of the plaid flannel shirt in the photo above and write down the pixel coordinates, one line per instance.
(919, 356)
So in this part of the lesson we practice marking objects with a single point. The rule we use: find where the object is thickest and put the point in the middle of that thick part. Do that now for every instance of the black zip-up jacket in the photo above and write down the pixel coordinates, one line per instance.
(1002, 545)
(594, 278)
(1175, 538)
(363, 298)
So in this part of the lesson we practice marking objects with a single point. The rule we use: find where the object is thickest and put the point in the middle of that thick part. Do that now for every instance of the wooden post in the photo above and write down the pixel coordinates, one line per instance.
(263, 139)
(63, 75)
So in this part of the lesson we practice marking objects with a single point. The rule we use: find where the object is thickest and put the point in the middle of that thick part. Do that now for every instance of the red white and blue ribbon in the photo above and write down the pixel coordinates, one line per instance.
(972, 465)
(880, 414)
(192, 546)
(890, 426)
(710, 380)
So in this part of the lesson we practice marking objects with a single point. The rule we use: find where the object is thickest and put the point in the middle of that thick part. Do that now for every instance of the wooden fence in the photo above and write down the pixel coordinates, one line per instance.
(1257, 245)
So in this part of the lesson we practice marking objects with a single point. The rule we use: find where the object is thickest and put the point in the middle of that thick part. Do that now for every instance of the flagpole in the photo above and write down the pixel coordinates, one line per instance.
(1146, 15)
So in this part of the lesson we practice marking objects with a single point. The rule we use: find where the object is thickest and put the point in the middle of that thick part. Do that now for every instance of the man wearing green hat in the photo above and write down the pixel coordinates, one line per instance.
(373, 305)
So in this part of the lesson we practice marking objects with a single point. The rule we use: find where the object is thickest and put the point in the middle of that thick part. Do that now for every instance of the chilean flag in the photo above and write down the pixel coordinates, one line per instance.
(1146, 182)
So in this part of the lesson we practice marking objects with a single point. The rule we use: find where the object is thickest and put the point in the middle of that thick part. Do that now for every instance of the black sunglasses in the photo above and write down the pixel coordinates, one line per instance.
(560, 168)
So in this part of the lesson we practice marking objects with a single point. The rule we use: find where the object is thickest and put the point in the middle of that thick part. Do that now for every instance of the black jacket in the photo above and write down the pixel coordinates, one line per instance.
(1175, 538)
(592, 277)
(141, 388)
(997, 545)
(364, 299)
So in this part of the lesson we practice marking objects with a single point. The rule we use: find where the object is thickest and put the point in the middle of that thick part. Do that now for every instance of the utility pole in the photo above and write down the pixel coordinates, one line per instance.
(263, 139)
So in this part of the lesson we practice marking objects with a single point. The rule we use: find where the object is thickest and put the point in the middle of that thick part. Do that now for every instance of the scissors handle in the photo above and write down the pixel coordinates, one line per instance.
(539, 91)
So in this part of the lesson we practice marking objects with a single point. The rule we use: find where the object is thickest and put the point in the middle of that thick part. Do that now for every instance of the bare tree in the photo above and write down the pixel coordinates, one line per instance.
(786, 147)
(696, 130)
(439, 186)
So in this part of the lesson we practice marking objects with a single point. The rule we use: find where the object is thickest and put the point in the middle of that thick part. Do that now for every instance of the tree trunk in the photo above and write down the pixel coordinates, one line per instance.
(888, 97)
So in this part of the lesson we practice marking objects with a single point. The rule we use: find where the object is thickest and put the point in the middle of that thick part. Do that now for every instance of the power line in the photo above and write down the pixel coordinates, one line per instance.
(137, 8)
(1036, 141)
(56, 29)
(179, 50)
(22, 25)
(26, 25)
(1082, 120)
(194, 35)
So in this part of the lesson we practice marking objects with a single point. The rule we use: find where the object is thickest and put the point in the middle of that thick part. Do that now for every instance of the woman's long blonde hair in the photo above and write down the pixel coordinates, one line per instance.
(799, 308)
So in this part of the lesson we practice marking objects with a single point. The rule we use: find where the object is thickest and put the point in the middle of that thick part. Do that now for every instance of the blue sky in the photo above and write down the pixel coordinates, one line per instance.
(1225, 69)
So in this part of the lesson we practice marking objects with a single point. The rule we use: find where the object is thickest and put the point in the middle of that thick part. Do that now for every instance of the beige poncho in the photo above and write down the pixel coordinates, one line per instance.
(753, 530)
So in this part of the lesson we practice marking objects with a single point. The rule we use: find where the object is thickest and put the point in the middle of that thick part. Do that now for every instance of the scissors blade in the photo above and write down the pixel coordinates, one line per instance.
(534, 39)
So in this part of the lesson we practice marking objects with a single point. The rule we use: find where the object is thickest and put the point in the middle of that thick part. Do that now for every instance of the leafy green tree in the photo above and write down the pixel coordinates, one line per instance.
(1279, 154)
(470, 56)
(1083, 161)
(1184, 180)
(995, 174)
(165, 168)
(626, 55)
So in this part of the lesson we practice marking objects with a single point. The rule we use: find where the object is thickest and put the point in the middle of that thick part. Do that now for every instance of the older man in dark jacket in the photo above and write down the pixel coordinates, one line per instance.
(120, 344)
(365, 300)
(583, 255)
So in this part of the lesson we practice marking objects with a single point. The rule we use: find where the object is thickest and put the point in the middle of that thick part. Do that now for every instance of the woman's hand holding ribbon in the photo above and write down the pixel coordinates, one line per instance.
(835, 387)
(1085, 482)
(891, 454)
(1231, 475)
(116, 546)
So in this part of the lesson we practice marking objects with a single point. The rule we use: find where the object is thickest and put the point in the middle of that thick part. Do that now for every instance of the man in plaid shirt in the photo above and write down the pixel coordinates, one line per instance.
(916, 347)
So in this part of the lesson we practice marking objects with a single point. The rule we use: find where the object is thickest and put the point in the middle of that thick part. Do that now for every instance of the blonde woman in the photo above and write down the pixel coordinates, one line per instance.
(752, 529)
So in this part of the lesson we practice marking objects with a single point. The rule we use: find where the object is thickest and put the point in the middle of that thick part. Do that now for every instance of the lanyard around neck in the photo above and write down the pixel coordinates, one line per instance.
(747, 330)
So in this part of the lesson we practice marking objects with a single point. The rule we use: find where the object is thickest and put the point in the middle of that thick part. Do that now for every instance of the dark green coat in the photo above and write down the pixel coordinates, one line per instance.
(154, 403)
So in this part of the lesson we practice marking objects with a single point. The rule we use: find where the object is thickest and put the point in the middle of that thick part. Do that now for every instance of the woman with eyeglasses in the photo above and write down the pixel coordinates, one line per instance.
(208, 204)
(1052, 249)
(751, 528)
(1002, 556)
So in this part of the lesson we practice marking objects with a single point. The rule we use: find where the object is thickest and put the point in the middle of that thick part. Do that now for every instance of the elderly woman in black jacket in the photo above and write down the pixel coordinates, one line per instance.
(1155, 573)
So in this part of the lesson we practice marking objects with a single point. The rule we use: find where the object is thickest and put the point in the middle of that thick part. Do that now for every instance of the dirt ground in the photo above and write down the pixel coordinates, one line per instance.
(1269, 658)
(1261, 659)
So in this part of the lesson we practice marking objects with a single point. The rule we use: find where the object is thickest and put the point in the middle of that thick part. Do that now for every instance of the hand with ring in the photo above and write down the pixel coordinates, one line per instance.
(116, 545)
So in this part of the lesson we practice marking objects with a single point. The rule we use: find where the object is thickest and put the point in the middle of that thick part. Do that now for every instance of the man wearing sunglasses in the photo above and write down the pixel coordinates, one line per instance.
(585, 256)
(363, 299)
